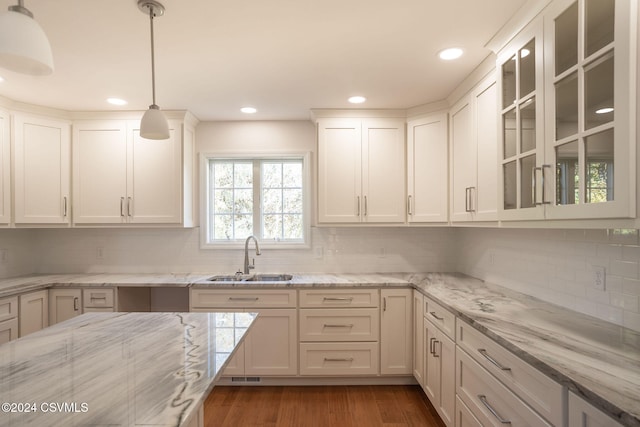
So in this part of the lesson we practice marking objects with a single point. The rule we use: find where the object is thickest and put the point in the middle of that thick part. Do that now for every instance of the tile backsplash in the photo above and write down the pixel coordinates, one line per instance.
(558, 266)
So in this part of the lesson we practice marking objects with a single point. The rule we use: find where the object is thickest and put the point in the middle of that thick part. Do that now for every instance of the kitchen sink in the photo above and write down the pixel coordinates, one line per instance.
(264, 277)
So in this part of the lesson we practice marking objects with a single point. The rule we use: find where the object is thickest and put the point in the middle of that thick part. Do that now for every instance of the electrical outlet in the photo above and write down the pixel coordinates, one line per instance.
(599, 277)
(99, 252)
(318, 252)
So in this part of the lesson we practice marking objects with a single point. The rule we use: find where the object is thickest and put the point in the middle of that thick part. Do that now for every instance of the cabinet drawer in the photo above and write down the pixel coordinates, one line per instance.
(209, 298)
(464, 416)
(8, 308)
(97, 298)
(339, 298)
(319, 359)
(536, 389)
(441, 317)
(359, 324)
(490, 401)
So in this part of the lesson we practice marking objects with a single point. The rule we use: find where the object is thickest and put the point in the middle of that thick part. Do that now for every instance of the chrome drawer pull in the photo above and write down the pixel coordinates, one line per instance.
(483, 399)
(326, 325)
(243, 298)
(338, 299)
(98, 298)
(434, 348)
(483, 352)
(346, 359)
(433, 313)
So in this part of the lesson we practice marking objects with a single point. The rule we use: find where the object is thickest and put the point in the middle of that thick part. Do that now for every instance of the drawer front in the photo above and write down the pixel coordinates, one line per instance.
(441, 317)
(209, 298)
(97, 298)
(464, 416)
(536, 389)
(8, 330)
(359, 324)
(8, 308)
(339, 298)
(490, 401)
(331, 359)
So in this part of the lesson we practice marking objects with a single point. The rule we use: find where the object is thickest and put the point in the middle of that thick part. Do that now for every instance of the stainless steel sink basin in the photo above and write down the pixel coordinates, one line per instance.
(227, 278)
(267, 277)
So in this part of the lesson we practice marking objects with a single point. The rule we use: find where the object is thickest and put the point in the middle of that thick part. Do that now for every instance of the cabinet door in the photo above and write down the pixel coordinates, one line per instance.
(439, 383)
(383, 171)
(100, 172)
(484, 197)
(154, 179)
(34, 312)
(464, 161)
(583, 414)
(5, 164)
(431, 364)
(418, 337)
(41, 170)
(339, 171)
(271, 347)
(396, 332)
(8, 330)
(64, 304)
(427, 171)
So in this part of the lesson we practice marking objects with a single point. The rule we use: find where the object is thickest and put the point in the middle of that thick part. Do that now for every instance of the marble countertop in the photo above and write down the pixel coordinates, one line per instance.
(597, 360)
(123, 369)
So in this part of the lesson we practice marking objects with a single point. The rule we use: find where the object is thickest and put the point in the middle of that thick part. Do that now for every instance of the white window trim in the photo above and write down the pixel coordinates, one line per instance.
(264, 244)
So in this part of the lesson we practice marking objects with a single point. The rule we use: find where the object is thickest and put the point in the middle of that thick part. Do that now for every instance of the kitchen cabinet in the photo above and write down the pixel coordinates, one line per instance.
(98, 300)
(583, 414)
(474, 147)
(439, 360)
(34, 312)
(122, 178)
(41, 168)
(5, 168)
(64, 304)
(396, 332)
(361, 171)
(271, 347)
(427, 160)
(8, 319)
(418, 337)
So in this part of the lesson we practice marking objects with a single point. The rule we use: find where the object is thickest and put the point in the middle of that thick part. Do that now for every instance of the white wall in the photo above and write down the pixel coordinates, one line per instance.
(18, 252)
(555, 265)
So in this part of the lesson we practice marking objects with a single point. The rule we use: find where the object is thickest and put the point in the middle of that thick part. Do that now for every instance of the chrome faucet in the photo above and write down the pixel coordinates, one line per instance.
(248, 267)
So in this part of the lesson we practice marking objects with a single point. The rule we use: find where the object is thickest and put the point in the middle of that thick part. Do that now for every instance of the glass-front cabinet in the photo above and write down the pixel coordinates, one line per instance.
(568, 142)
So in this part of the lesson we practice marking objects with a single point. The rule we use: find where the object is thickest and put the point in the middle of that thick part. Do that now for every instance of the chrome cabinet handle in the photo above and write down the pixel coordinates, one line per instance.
(431, 340)
(338, 299)
(544, 201)
(122, 206)
(384, 304)
(243, 298)
(365, 206)
(466, 199)
(484, 401)
(75, 304)
(434, 348)
(129, 204)
(344, 359)
(92, 298)
(471, 204)
(534, 186)
(64, 206)
(350, 325)
(358, 206)
(409, 205)
(433, 313)
(493, 361)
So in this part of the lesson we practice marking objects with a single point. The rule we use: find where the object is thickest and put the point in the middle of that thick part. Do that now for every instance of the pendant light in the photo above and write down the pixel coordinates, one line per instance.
(24, 47)
(153, 124)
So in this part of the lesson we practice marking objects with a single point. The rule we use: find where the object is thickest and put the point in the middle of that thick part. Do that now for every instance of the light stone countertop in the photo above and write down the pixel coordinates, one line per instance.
(597, 360)
(124, 369)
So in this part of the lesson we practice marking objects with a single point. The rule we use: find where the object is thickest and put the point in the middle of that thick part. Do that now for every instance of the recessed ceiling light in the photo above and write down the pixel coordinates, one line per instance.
(1, 79)
(248, 110)
(451, 53)
(604, 110)
(357, 99)
(116, 101)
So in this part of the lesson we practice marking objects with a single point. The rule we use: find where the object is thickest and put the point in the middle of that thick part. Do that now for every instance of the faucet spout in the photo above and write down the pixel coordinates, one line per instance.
(248, 266)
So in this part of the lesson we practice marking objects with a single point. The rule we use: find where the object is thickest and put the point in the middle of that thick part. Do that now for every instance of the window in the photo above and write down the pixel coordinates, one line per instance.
(265, 197)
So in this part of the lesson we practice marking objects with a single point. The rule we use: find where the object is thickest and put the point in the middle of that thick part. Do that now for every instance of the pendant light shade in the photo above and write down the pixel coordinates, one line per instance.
(153, 124)
(24, 47)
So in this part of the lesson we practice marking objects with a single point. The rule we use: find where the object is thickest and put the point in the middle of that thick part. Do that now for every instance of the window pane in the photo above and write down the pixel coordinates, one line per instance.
(222, 227)
(292, 226)
(509, 180)
(509, 82)
(509, 126)
(599, 160)
(567, 174)
(243, 202)
(567, 106)
(223, 201)
(243, 226)
(292, 175)
(272, 201)
(527, 165)
(527, 69)
(223, 175)
(566, 39)
(272, 227)
(599, 30)
(599, 94)
(271, 175)
(243, 175)
(528, 126)
(292, 201)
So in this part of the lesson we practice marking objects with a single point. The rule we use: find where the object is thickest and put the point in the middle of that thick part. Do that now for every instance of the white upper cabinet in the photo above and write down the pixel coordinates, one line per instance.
(427, 172)
(361, 171)
(474, 144)
(5, 169)
(41, 170)
(121, 178)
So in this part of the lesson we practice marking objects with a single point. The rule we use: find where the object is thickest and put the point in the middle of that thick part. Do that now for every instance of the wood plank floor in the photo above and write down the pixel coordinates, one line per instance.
(319, 406)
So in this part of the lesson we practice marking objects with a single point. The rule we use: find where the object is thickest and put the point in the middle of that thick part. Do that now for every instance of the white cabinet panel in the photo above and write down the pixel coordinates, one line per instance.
(463, 153)
(271, 347)
(5, 169)
(339, 359)
(64, 304)
(358, 324)
(418, 337)
(439, 371)
(339, 298)
(583, 414)
(34, 312)
(8, 330)
(396, 332)
(41, 170)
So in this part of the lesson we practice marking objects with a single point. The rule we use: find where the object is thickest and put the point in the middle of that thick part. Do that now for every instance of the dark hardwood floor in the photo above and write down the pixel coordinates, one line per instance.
(334, 406)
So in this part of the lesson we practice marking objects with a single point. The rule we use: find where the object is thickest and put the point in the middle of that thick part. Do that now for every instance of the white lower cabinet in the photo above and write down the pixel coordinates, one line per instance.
(98, 300)
(8, 319)
(344, 358)
(464, 416)
(396, 332)
(439, 371)
(583, 414)
(64, 304)
(34, 312)
(418, 337)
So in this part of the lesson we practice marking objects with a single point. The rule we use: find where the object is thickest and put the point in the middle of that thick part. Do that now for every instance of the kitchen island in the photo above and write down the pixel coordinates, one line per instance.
(124, 369)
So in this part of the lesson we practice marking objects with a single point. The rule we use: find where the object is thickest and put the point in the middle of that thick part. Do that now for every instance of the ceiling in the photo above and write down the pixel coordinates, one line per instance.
(283, 57)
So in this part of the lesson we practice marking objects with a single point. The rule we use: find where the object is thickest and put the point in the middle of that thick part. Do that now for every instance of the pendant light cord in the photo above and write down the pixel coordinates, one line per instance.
(153, 62)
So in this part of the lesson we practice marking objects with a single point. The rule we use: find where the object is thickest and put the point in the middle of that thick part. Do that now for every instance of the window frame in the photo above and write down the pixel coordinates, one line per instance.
(205, 197)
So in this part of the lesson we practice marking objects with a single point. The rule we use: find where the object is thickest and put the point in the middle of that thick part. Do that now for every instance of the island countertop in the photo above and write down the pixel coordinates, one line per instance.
(122, 369)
